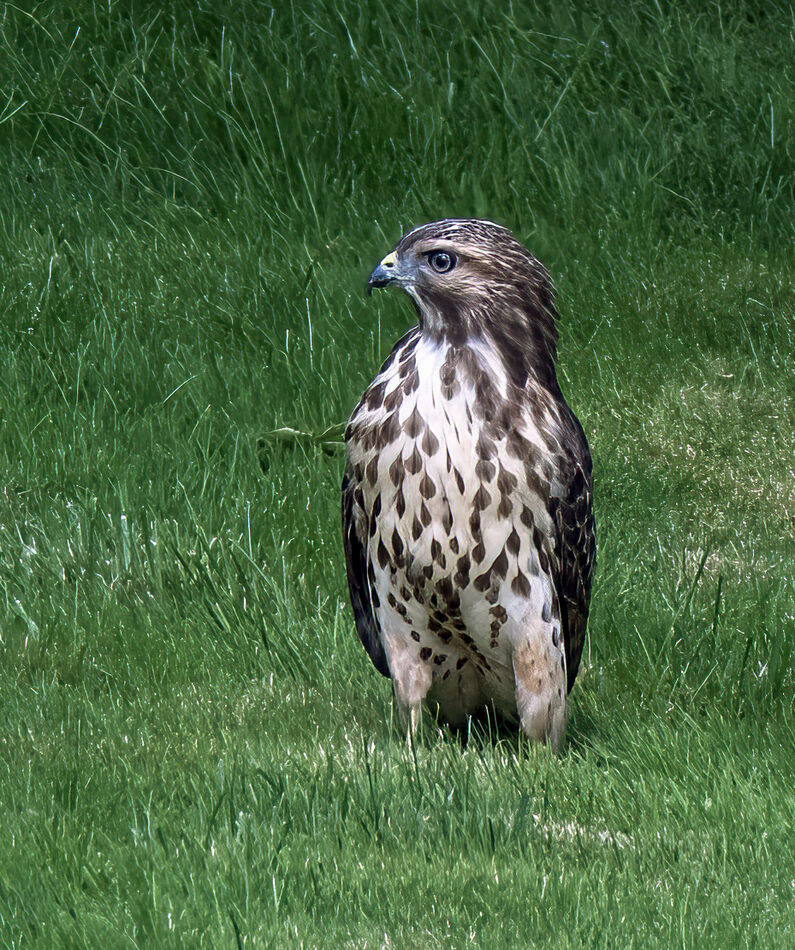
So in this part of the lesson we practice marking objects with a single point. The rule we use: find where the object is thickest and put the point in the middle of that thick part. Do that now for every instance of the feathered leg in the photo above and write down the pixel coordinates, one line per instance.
(411, 678)
(540, 674)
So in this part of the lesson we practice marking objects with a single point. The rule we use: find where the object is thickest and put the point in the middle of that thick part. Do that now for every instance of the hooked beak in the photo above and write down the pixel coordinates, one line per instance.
(387, 272)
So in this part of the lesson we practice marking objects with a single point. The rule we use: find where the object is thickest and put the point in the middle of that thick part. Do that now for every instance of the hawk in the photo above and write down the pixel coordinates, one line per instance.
(467, 495)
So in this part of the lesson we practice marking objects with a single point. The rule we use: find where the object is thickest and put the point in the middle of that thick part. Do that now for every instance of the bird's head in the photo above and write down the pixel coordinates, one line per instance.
(471, 278)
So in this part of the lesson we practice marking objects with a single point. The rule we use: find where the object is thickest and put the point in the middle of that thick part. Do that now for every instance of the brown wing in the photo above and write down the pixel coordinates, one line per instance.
(354, 538)
(576, 549)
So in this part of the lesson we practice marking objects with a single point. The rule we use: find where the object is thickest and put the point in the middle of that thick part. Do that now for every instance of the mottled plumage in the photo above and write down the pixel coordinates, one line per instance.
(466, 500)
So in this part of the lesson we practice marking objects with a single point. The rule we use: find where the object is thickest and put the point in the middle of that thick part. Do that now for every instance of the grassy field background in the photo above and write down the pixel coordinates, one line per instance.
(194, 748)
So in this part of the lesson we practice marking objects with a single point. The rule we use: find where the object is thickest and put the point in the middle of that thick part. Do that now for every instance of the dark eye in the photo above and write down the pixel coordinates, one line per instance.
(442, 261)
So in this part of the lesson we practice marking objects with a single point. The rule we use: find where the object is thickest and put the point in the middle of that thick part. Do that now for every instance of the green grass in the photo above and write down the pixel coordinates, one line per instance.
(194, 748)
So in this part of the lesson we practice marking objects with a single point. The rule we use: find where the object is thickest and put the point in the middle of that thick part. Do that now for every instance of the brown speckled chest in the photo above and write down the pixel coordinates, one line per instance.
(451, 471)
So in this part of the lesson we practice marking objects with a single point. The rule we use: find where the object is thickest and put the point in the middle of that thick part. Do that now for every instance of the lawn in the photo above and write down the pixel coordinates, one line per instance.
(194, 748)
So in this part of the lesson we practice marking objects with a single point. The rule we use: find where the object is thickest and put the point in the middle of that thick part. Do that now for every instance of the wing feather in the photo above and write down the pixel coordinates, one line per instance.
(575, 530)
(354, 536)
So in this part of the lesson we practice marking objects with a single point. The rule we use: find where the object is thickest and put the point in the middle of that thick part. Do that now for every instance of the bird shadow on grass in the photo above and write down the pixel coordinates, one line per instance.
(488, 730)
